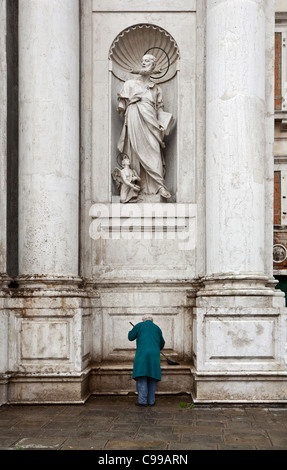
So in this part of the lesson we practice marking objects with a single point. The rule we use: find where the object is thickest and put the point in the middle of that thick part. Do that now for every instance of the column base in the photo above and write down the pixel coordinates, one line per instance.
(240, 326)
(238, 285)
(242, 388)
(48, 389)
(4, 384)
(48, 282)
(48, 330)
(4, 281)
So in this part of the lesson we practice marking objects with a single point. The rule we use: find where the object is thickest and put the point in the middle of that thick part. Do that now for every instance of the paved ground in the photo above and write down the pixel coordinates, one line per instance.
(115, 423)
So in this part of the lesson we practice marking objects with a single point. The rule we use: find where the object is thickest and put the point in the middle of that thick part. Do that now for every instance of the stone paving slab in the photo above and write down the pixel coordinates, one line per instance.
(115, 423)
(39, 443)
(142, 444)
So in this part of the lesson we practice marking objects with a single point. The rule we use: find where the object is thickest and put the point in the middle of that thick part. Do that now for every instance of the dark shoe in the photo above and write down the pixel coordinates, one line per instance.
(140, 404)
(151, 404)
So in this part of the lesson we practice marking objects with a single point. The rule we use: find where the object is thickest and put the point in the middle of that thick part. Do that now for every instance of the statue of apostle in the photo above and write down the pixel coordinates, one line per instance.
(145, 125)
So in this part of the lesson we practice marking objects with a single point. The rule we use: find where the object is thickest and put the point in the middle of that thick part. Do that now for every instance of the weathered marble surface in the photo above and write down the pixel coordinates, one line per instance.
(215, 300)
(49, 137)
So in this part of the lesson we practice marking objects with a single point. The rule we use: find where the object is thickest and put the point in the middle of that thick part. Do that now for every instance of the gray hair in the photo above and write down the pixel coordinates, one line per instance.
(147, 316)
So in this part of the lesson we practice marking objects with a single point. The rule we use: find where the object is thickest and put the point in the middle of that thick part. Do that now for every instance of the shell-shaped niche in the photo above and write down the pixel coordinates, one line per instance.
(131, 44)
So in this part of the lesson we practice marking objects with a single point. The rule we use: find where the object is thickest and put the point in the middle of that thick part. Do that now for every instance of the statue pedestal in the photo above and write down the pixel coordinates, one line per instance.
(151, 198)
(239, 341)
(143, 262)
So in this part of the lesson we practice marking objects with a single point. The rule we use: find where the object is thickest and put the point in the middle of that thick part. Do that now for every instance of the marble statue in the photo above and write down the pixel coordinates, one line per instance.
(145, 125)
(125, 179)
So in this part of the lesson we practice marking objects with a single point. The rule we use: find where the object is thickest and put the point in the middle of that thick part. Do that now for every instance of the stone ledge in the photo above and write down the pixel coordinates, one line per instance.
(48, 389)
(100, 379)
(244, 388)
(106, 378)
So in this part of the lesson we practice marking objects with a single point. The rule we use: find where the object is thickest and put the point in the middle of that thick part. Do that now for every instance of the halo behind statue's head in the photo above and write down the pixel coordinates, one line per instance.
(123, 157)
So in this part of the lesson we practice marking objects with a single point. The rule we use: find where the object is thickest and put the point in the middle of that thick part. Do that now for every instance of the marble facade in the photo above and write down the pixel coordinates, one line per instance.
(86, 264)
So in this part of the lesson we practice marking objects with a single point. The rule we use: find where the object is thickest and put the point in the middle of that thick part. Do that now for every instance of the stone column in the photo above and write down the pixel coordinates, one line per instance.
(49, 324)
(3, 146)
(3, 206)
(49, 138)
(240, 319)
(236, 159)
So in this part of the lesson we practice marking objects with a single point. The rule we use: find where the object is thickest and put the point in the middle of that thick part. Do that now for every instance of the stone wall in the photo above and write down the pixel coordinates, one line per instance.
(65, 317)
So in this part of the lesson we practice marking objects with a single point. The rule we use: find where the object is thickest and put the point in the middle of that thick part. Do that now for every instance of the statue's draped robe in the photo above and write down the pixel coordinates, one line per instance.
(142, 137)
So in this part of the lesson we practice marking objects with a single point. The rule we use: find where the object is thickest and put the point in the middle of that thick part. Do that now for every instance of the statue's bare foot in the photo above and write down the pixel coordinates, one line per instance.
(164, 193)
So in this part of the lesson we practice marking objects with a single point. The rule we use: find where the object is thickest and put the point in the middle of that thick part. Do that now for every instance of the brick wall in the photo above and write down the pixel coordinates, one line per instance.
(280, 232)
(277, 91)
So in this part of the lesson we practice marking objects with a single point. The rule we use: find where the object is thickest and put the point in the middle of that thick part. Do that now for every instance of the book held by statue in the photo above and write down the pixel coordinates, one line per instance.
(166, 120)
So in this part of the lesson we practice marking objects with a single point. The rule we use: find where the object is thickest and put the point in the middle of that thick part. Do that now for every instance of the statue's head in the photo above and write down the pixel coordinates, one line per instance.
(125, 160)
(148, 64)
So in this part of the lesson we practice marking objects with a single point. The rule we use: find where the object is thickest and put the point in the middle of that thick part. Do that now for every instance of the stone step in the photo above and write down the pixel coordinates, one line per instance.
(116, 378)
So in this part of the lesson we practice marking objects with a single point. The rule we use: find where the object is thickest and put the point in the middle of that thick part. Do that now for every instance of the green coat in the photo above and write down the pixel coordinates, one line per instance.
(149, 343)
